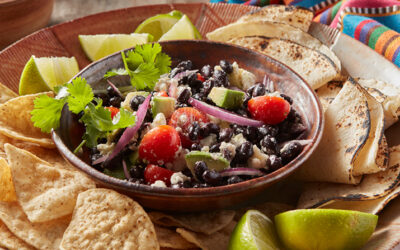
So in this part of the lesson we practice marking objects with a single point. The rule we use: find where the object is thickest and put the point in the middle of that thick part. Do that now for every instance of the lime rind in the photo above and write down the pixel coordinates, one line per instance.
(159, 24)
(183, 29)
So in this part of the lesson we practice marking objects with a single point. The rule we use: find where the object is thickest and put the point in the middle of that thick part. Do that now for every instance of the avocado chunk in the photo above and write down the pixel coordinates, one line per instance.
(226, 98)
(161, 104)
(212, 160)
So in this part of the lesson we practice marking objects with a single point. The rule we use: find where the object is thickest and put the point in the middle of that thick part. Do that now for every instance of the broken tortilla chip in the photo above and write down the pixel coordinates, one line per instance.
(15, 121)
(10, 241)
(45, 235)
(373, 186)
(6, 94)
(44, 192)
(216, 241)
(105, 219)
(170, 238)
(7, 191)
(207, 223)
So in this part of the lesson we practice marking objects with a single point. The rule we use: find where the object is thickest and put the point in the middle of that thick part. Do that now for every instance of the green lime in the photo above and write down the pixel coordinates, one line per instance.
(183, 29)
(317, 229)
(159, 24)
(254, 231)
(43, 74)
(99, 46)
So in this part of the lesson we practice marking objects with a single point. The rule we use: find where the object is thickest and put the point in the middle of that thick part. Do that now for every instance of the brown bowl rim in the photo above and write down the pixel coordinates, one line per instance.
(209, 191)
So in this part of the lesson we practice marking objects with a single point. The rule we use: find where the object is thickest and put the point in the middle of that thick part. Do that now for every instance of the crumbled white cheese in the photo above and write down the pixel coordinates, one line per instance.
(258, 159)
(229, 147)
(285, 147)
(241, 78)
(106, 148)
(178, 177)
(182, 119)
(205, 149)
(182, 88)
(179, 162)
(158, 183)
(163, 83)
(276, 93)
(158, 120)
(238, 140)
(209, 140)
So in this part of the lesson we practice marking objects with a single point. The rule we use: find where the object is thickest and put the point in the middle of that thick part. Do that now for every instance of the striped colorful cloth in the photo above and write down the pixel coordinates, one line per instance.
(376, 23)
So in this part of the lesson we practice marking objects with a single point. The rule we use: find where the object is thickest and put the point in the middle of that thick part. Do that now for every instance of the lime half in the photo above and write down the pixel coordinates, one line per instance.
(99, 46)
(324, 228)
(43, 74)
(254, 231)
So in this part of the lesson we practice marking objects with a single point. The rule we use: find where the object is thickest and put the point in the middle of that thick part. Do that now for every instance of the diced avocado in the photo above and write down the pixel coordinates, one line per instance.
(226, 98)
(161, 104)
(212, 160)
(134, 157)
(127, 102)
(116, 173)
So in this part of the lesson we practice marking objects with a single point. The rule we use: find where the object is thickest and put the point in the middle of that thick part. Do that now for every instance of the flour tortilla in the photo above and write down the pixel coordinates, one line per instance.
(6, 94)
(296, 16)
(373, 186)
(347, 127)
(271, 29)
(316, 68)
(328, 92)
(45, 193)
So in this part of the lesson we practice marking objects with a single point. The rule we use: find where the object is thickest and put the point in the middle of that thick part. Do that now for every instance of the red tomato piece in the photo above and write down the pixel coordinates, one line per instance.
(159, 145)
(182, 118)
(200, 77)
(154, 173)
(114, 111)
(269, 109)
(162, 93)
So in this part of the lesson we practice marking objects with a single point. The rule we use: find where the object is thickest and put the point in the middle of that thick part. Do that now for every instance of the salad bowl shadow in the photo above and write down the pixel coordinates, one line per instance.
(200, 199)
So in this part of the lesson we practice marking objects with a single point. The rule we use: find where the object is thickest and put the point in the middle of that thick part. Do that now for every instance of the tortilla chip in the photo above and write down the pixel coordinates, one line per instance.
(347, 127)
(105, 219)
(270, 209)
(328, 92)
(7, 191)
(207, 223)
(6, 94)
(296, 16)
(270, 29)
(45, 235)
(15, 121)
(316, 68)
(44, 192)
(170, 238)
(10, 241)
(216, 241)
(373, 186)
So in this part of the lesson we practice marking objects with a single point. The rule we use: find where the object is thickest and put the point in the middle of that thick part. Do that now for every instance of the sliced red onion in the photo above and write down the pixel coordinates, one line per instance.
(224, 114)
(173, 89)
(183, 74)
(241, 171)
(269, 84)
(126, 172)
(301, 142)
(114, 88)
(130, 132)
(100, 160)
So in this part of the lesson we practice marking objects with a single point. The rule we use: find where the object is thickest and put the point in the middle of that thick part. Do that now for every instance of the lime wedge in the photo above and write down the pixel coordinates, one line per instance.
(254, 231)
(324, 228)
(43, 74)
(99, 46)
(159, 24)
(183, 29)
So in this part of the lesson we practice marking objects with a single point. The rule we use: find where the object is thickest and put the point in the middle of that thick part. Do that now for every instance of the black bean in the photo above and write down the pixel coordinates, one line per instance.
(198, 96)
(214, 128)
(225, 135)
(220, 78)
(206, 70)
(137, 172)
(186, 184)
(258, 90)
(250, 90)
(246, 101)
(234, 179)
(292, 115)
(243, 112)
(194, 131)
(268, 144)
(184, 96)
(215, 148)
(226, 66)
(187, 172)
(204, 131)
(199, 168)
(175, 71)
(149, 116)
(102, 140)
(268, 130)
(296, 129)
(290, 151)
(251, 134)
(181, 105)
(237, 129)
(207, 86)
(227, 154)
(105, 98)
(287, 98)
(111, 92)
(136, 101)
(274, 162)
(212, 177)
(244, 152)
(195, 147)
(118, 135)
(186, 64)
(116, 101)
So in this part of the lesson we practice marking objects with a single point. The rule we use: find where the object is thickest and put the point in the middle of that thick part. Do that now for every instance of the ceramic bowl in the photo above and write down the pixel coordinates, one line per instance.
(67, 137)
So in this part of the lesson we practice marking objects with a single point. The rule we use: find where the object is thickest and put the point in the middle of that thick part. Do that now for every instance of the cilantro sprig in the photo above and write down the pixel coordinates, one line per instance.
(144, 65)
(96, 118)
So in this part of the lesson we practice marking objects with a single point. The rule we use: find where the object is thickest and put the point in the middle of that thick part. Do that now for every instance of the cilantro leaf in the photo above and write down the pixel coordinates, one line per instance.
(80, 94)
(163, 63)
(133, 59)
(123, 119)
(116, 72)
(46, 113)
(149, 51)
(145, 76)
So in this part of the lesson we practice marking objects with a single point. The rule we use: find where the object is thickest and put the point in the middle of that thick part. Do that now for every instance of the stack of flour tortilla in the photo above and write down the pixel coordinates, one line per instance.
(353, 167)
